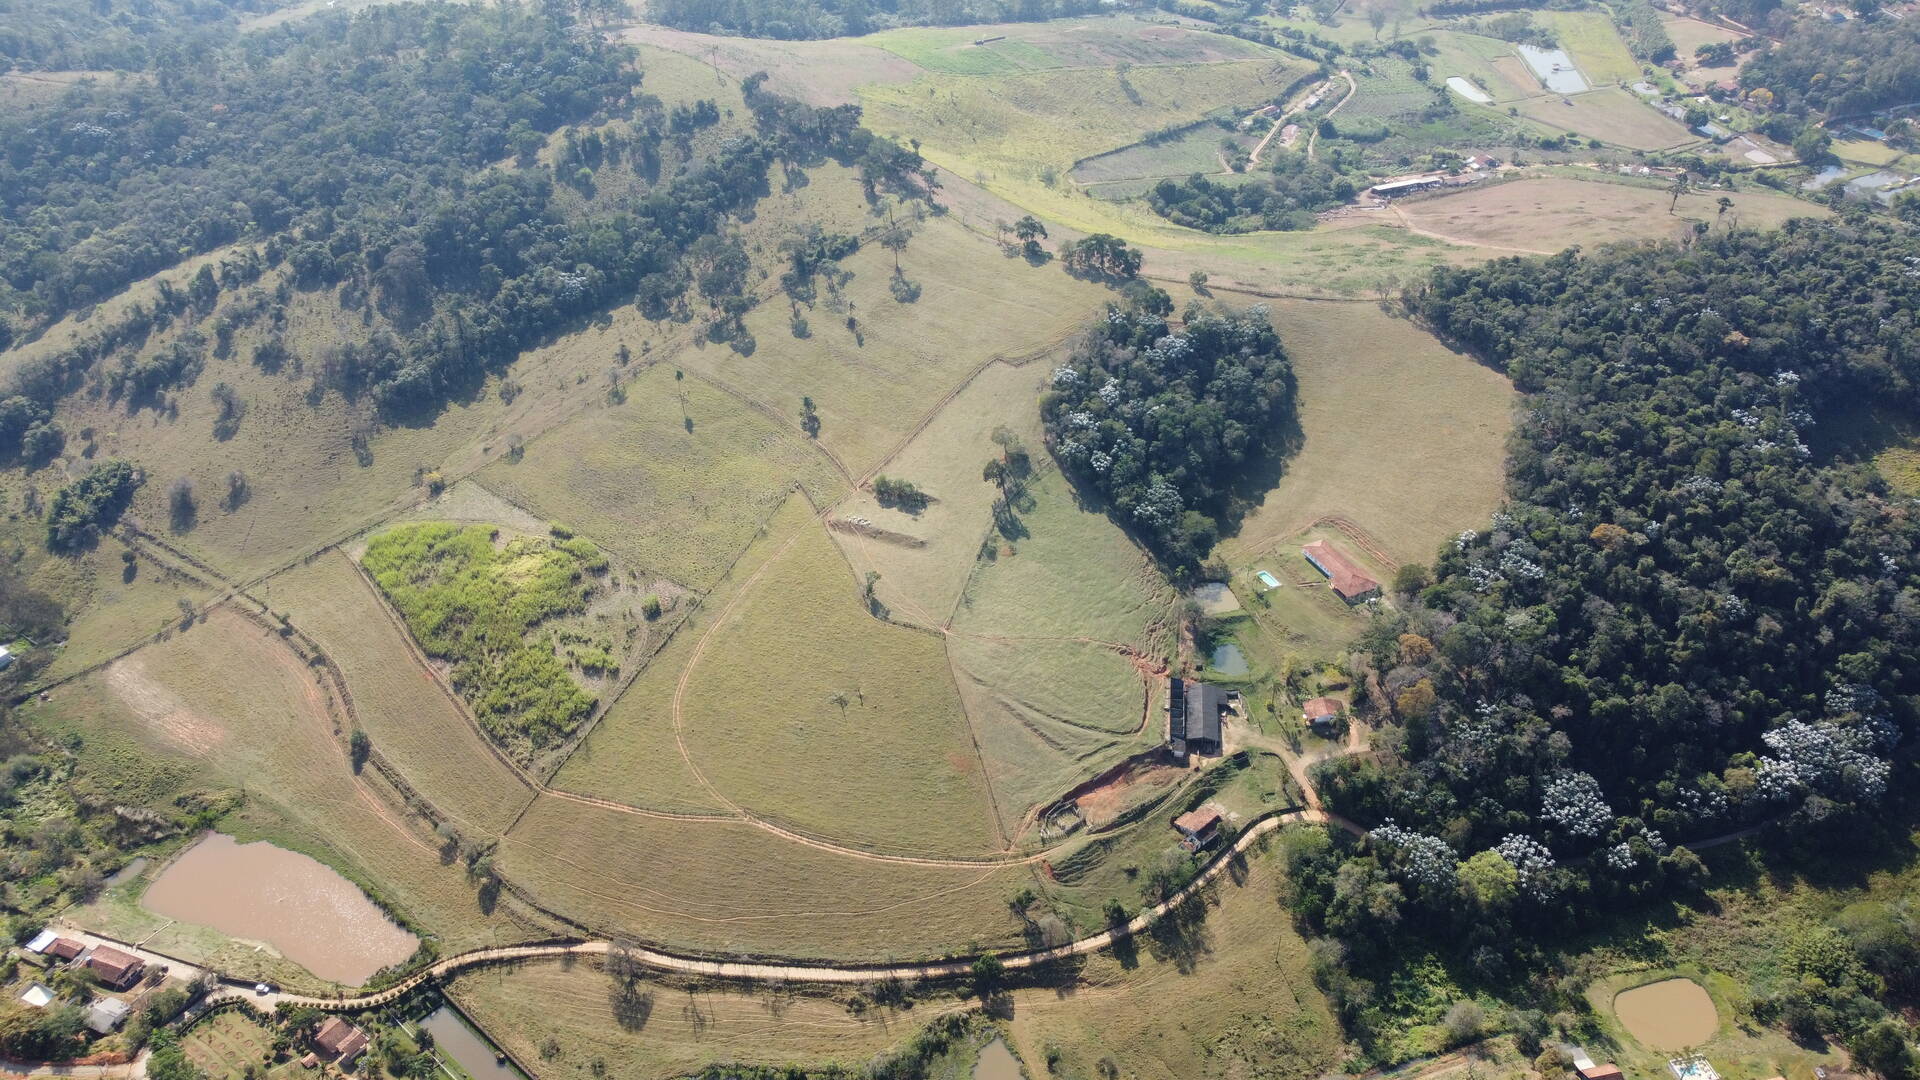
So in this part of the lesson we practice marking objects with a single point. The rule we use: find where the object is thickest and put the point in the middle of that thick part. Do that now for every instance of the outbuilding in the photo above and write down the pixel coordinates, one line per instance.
(38, 995)
(1194, 710)
(1198, 827)
(106, 1015)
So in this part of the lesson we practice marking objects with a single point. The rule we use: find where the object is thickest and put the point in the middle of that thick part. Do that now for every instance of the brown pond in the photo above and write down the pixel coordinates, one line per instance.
(996, 1063)
(1670, 1015)
(299, 906)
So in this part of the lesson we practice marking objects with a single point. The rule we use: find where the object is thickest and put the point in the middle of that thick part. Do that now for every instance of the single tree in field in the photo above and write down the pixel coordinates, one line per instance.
(1676, 189)
(1377, 18)
(1030, 231)
(1725, 205)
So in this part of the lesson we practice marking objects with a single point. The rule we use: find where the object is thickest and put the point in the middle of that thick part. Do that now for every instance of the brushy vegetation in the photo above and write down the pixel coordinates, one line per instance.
(1163, 424)
(477, 606)
(90, 505)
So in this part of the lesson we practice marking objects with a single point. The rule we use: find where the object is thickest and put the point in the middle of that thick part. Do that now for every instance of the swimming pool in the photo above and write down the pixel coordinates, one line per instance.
(1268, 580)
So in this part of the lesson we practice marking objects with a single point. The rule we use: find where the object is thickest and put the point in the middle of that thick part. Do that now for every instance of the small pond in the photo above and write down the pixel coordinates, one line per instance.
(1554, 68)
(457, 1039)
(1670, 1015)
(1227, 659)
(302, 908)
(997, 1063)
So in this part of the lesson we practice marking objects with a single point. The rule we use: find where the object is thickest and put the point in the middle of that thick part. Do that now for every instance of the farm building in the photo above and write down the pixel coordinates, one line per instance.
(1609, 1071)
(61, 948)
(1349, 581)
(106, 1014)
(1482, 161)
(1198, 827)
(1405, 187)
(37, 995)
(114, 968)
(339, 1041)
(39, 942)
(1194, 710)
(1321, 712)
(6, 657)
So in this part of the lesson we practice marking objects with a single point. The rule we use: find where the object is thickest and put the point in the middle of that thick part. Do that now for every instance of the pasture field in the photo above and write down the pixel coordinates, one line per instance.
(1590, 38)
(225, 1045)
(412, 723)
(1035, 125)
(228, 706)
(1400, 435)
(1477, 58)
(1690, 34)
(807, 710)
(676, 479)
(1196, 150)
(817, 72)
(1247, 1003)
(736, 888)
(1561, 210)
(111, 604)
(666, 1030)
(1080, 43)
(1386, 89)
(874, 386)
(921, 584)
(1611, 115)
(630, 755)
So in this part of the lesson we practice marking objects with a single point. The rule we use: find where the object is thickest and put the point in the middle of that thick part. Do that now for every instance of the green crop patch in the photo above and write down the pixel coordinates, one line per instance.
(477, 606)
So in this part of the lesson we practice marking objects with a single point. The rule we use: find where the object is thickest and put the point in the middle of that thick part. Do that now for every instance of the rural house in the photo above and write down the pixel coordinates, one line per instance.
(1198, 827)
(114, 968)
(1194, 710)
(339, 1041)
(1321, 714)
(1349, 581)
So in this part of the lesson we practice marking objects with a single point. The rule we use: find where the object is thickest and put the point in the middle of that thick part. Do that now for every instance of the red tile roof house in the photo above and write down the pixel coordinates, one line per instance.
(113, 967)
(1349, 581)
(1321, 711)
(339, 1042)
(64, 948)
(1198, 828)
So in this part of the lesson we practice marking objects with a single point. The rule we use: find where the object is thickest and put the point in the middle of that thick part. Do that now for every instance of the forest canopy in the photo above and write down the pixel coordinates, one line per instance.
(1165, 424)
(1843, 69)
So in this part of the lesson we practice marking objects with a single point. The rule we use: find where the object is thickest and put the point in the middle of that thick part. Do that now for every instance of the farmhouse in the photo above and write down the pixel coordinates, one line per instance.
(339, 1042)
(1321, 712)
(1348, 580)
(1198, 827)
(1194, 710)
(113, 967)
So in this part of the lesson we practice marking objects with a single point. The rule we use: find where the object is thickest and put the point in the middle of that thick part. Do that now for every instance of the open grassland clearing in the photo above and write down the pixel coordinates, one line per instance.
(673, 480)
(874, 382)
(1478, 59)
(1246, 1003)
(1035, 125)
(25, 91)
(1062, 620)
(631, 755)
(1590, 38)
(231, 702)
(1386, 89)
(1198, 149)
(648, 1030)
(1557, 211)
(924, 556)
(412, 723)
(1399, 435)
(1078, 43)
(1611, 115)
(738, 888)
(817, 72)
(807, 710)
(1689, 34)
(113, 598)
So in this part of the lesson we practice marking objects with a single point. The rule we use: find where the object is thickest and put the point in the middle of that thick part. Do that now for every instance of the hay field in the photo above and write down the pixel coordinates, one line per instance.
(674, 480)
(1590, 38)
(630, 755)
(227, 705)
(1557, 211)
(411, 722)
(1034, 124)
(1401, 436)
(1246, 1003)
(873, 388)
(1610, 115)
(735, 888)
(806, 710)
(665, 1031)
(920, 585)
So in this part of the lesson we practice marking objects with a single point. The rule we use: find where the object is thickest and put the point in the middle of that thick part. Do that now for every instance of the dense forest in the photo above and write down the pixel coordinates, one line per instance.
(1165, 424)
(797, 19)
(1689, 617)
(1841, 69)
(114, 35)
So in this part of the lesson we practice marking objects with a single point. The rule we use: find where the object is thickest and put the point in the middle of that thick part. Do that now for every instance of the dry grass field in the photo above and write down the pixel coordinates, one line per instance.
(1077, 43)
(411, 722)
(1590, 38)
(809, 711)
(674, 480)
(1552, 212)
(1401, 436)
(230, 702)
(736, 888)
(1611, 115)
(663, 1031)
